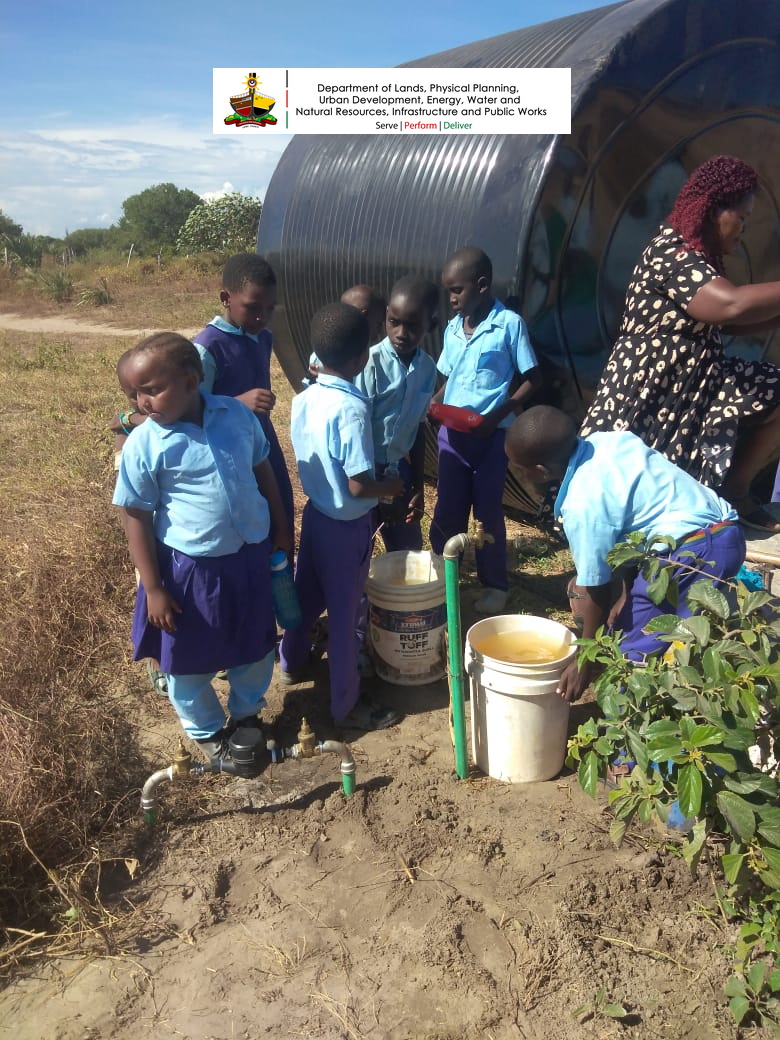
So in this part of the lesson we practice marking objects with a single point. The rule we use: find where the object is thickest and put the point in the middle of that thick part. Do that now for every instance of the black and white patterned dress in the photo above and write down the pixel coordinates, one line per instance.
(667, 379)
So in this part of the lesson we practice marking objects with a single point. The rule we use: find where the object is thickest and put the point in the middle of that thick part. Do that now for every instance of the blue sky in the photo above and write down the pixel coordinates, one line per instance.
(103, 100)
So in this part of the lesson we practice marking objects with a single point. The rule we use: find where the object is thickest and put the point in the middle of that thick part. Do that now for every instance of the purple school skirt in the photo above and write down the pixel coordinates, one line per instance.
(227, 616)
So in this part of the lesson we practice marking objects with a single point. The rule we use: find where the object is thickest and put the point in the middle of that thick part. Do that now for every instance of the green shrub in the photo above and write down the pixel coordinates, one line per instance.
(688, 718)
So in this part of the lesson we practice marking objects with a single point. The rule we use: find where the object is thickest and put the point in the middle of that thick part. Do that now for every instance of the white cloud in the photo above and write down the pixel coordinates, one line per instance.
(211, 196)
(56, 180)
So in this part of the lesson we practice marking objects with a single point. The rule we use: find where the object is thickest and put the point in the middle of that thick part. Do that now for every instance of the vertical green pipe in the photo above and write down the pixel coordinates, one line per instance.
(348, 783)
(452, 592)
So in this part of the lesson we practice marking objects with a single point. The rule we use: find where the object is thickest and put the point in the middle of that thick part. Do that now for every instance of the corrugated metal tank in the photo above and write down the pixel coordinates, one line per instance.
(658, 86)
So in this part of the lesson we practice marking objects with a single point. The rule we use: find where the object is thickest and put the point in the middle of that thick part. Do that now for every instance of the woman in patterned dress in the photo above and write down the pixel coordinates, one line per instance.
(667, 379)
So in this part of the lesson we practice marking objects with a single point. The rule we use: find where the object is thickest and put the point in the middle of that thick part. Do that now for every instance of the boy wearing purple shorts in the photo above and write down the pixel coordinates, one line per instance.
(490, 368)
(331, 436)
(613, 484)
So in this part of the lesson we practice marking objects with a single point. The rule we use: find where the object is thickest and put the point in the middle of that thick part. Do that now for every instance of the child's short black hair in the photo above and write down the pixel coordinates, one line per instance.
(339, 333)
(246, 268)
(472, 261)
(419, 289)
(541, 435)
(175, 351)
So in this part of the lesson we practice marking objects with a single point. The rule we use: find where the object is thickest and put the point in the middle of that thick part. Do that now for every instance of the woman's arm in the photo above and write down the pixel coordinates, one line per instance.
(746, 307)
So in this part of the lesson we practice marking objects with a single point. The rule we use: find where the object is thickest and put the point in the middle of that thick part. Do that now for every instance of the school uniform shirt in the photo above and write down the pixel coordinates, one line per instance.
(399, 396)
(330, 430)
(198, 480)
(480, 368)
(614, 484)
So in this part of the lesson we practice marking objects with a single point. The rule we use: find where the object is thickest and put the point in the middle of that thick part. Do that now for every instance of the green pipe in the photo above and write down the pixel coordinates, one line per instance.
(347, 764)
(452, 551)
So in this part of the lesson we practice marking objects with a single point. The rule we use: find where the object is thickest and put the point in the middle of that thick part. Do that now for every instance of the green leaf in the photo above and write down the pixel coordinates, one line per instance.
(687, 727)
(614, 1010)
(756, 976)
(617, 831)
(744, 783)
(588, 773)
(739, 815)
(657, 588)
(739, 1007)
(638, 749)
(731, 863)
(772, 856)
(723, 760)
(755, 601)
(699, 626)
(662, 727)
(691, 850)
(704, 594)
(661, 623)
(735, 987)
(712, 664)
(663, 752)
(689, 790)
(705, 735)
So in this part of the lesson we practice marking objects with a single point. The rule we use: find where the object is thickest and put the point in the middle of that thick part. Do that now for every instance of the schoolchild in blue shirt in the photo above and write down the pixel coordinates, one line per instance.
(490, 368)
(235, 349)
(331, 436)
(368, 302)
(202, 514)
(399, 380)
(612, 484)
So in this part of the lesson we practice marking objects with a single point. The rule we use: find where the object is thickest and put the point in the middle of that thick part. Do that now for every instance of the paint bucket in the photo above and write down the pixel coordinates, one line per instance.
(518, 722)
(407, 617)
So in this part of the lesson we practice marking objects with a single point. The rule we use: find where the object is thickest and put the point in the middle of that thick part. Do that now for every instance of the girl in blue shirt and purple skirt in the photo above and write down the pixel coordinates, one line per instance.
(202, 514)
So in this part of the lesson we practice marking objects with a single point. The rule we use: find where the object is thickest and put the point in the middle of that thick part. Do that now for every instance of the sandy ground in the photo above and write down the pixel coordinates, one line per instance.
(58, 325)
(422, 908)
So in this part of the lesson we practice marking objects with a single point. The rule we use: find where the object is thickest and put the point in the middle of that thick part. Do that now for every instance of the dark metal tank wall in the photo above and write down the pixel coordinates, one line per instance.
(657, 87)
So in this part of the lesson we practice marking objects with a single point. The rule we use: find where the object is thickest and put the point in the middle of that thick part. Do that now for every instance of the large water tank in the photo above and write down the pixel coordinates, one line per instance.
(658, 86)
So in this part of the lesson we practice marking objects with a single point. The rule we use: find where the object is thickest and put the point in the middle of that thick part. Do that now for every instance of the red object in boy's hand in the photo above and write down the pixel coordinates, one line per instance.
(463, 420)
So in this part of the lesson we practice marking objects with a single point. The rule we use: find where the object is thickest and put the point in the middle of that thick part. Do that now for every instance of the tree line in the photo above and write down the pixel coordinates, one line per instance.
(162, 219)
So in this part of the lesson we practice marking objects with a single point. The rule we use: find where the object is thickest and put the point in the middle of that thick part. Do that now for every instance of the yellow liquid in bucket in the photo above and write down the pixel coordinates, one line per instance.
(403, 582)
(520, 648)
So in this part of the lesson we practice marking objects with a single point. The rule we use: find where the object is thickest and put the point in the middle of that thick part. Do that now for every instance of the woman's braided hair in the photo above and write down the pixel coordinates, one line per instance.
(719, 183)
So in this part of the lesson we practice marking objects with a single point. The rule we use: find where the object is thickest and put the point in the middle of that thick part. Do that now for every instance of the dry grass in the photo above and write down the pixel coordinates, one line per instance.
(69, 761)
(180, 293)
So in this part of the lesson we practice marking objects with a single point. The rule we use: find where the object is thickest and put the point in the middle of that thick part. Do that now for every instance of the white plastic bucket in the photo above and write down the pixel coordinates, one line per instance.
(518, 721)
(407, 617)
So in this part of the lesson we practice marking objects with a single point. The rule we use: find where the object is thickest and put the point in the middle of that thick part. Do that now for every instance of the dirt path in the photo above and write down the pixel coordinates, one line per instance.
(58, 325)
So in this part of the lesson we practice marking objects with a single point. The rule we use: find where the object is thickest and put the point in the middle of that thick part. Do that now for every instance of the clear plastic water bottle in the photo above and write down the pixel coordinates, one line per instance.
(390, 473)
(287, 608)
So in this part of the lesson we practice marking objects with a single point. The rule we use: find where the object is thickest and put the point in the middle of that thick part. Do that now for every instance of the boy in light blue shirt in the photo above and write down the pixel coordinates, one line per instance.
(399, 380)
(612, 484)
(331, 436)
(490, 369)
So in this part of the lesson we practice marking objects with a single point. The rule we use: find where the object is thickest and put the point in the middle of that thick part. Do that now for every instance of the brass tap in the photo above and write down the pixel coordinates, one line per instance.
(182, 761)
(479, 538)
(306, 739)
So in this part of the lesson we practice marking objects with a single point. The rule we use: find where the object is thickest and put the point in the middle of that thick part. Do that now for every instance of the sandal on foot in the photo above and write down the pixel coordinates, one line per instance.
(158, 679)
(759, 519)
(617, 770)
